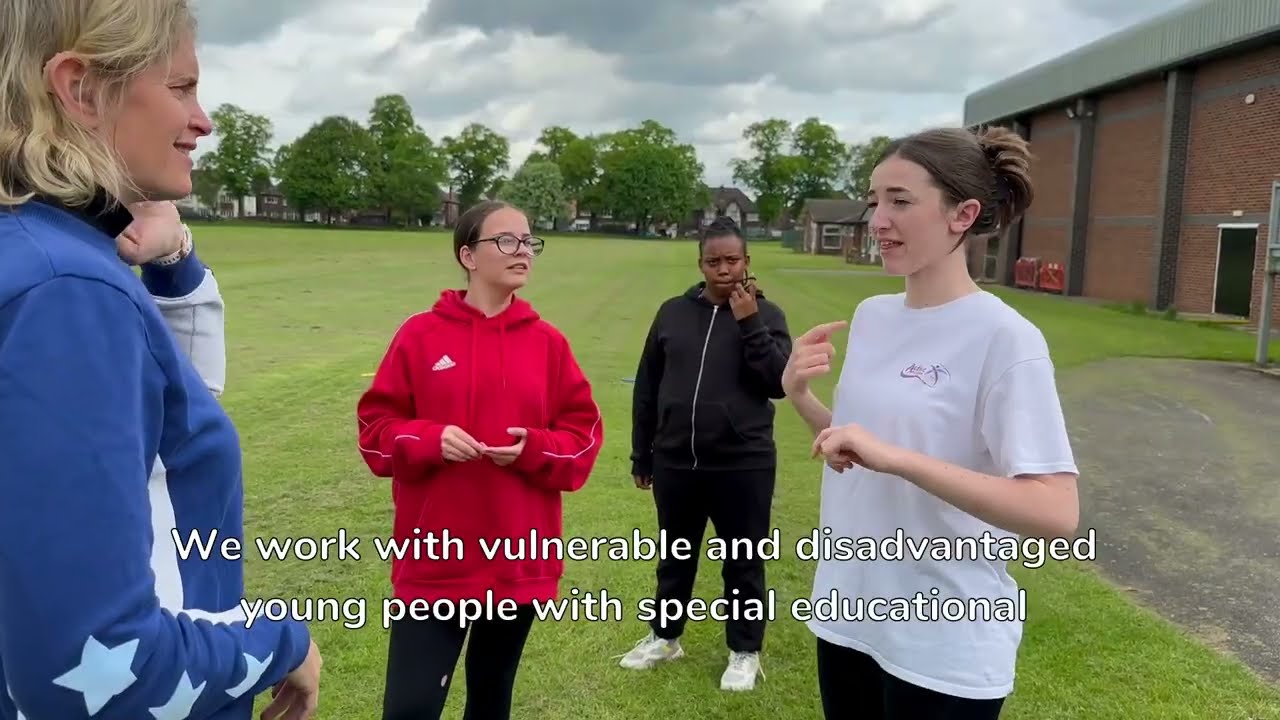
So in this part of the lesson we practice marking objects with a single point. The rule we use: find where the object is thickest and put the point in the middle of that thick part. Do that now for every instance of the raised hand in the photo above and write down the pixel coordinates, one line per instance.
(742, 301)
(156, 231)
(811, 355)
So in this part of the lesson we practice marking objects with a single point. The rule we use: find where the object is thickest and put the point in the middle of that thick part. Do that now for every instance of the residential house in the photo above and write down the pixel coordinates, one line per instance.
(860, 246)
(585, 220)
(192, 204)
(829, 224)
(447, 211)
(733, 203)
(271, 204)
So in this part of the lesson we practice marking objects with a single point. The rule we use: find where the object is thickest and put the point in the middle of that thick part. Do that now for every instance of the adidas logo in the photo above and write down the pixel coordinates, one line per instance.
(444, 363)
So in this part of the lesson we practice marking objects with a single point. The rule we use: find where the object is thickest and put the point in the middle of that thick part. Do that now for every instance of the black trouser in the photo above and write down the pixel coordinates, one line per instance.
(738, 503)
(422, 656)
(854, 687)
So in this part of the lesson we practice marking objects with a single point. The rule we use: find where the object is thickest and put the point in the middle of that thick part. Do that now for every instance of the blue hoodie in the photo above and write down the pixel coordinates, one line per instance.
(111, 436)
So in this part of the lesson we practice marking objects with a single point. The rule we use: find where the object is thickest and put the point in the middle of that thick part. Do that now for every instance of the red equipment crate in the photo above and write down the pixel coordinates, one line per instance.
(1025, 272)
(1051, 279)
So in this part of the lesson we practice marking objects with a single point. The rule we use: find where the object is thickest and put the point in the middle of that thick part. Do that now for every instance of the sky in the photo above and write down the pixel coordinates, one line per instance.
(706, 68)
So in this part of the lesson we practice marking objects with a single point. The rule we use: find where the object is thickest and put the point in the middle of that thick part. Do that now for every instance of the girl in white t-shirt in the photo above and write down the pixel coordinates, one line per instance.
(944, 444)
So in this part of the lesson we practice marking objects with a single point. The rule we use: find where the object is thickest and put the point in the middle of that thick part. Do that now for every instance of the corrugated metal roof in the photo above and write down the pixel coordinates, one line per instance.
(1176, 37)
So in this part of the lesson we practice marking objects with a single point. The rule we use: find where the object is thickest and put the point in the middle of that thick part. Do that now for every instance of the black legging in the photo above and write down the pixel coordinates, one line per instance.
(422, 657)
(853, 687)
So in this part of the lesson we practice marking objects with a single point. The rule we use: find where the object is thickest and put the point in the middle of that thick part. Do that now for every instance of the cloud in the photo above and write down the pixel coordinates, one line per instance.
(239, 22)
(1112, 11)
(706, 68)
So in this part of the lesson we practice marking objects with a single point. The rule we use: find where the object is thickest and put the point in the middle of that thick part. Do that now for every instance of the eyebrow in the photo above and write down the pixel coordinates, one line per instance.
(183, 79)
(891, 189)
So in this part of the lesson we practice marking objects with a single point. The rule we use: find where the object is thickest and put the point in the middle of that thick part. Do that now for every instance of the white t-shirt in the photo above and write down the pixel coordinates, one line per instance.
(969, 382)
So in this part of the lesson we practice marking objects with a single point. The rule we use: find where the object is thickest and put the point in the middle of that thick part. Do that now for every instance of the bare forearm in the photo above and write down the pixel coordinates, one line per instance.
(812, 411)
(1034, 507)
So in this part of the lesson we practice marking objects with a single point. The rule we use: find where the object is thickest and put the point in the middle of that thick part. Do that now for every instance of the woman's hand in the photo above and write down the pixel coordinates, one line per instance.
(297, 696)
(457, 446)
(507, 455)
(811, 356)
(156, 231)
(848, 445)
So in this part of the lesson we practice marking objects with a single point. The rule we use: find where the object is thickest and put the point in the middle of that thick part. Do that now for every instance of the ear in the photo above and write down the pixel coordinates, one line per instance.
(67, 77)
(467, 257)
(964, 215)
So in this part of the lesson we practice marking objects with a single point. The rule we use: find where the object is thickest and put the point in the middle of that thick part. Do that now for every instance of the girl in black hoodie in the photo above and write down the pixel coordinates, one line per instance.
(702, 439)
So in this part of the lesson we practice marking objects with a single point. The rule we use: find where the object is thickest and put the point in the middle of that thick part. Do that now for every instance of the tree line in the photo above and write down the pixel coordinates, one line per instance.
(643, 174)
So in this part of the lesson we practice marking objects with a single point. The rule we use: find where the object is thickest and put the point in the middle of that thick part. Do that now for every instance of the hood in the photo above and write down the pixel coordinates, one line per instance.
(452, 306)
(695, 294)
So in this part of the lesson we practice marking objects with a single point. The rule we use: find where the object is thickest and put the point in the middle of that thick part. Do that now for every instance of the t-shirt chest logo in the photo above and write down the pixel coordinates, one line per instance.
(930, 375)
(444, 363)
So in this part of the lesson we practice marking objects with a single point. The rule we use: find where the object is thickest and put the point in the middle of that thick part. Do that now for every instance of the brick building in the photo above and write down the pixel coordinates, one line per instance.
(1156, 149)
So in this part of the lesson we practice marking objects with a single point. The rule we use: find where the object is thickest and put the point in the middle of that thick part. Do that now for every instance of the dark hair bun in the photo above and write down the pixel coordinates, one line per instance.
(1009, 155)
(723, 225)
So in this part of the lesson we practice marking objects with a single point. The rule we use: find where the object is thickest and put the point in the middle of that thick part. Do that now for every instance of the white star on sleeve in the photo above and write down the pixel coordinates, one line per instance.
(179, 706)
(102, 673)
(253, 669)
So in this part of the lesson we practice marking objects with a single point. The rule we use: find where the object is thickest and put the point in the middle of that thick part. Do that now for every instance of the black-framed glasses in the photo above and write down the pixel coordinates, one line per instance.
(510, 244)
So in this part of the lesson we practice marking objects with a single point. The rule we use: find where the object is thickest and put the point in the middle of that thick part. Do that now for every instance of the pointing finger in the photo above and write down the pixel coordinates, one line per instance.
(818, 350)
(822, 332)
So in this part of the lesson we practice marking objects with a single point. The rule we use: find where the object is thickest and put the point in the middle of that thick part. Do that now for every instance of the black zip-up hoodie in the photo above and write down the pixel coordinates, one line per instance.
(703, 389)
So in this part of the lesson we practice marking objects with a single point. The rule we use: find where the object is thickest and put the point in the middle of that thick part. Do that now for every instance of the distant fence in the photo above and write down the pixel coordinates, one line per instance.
(792, 238)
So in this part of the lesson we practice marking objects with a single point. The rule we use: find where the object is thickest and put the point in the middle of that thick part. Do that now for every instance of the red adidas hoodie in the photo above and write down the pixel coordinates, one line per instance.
(453, 366)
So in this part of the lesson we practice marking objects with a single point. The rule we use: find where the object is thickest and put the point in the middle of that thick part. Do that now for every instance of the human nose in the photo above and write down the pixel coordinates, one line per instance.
(200, 122)
(879, 219)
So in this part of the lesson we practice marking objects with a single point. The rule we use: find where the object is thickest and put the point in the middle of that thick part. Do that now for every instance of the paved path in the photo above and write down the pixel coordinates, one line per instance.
(1180, 467)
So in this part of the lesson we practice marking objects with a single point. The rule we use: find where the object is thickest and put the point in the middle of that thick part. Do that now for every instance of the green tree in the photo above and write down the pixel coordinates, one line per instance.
(770, 171)
(242, 159)
(577, 157)
(821, 162)
(476, 158)
(790, 164)
(648, 176)
(537, 188)
(580, 168)
(205, 184)
(325, 168)
(863, 158)
(406, 169)
(553, 141)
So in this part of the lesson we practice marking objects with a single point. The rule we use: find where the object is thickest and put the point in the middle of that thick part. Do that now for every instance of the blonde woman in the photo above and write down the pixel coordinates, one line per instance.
(111, 439)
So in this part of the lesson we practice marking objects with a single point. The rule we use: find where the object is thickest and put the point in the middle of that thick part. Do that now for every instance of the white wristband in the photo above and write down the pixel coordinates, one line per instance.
(177, 255)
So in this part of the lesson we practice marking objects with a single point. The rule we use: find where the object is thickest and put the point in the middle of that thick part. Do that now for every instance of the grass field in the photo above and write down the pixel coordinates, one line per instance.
(309, 315)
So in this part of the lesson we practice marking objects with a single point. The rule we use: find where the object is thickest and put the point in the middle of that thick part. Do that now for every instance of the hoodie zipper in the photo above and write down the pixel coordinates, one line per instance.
(693, 421)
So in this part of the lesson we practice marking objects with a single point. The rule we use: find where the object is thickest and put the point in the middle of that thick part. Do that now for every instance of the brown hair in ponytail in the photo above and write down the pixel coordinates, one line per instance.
(991, 165)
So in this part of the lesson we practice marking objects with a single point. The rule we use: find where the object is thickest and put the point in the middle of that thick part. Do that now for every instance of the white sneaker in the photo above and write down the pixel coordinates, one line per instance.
(741, 673)
(650, 651)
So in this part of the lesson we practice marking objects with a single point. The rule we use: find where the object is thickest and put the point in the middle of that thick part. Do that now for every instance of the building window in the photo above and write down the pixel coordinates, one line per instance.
(831, 237)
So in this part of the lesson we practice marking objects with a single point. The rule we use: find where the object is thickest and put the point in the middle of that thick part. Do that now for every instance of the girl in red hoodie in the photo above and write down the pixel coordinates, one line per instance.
(481, 417)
